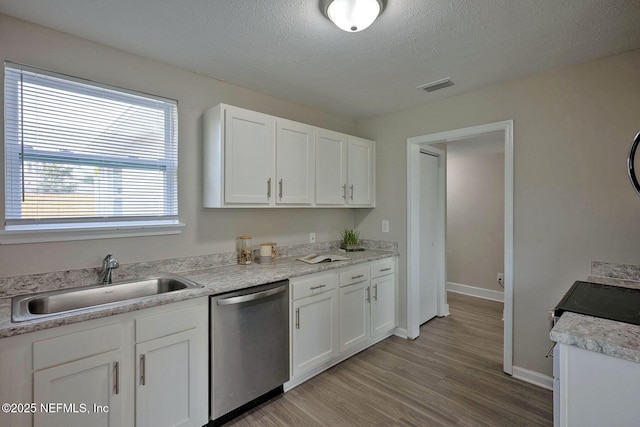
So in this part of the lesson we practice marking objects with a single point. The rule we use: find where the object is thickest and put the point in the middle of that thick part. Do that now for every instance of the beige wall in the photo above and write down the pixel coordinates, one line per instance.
(207, 230)
(475, 219)
(573, 201)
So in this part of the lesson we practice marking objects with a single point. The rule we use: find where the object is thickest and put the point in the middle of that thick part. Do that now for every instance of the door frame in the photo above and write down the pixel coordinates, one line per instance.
(414, 144)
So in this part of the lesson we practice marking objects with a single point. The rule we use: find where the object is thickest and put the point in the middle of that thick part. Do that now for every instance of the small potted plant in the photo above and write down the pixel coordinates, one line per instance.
(351, 240)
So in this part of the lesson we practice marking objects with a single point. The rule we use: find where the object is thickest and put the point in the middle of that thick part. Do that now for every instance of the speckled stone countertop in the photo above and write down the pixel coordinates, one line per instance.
(214, 280)
(616, 339)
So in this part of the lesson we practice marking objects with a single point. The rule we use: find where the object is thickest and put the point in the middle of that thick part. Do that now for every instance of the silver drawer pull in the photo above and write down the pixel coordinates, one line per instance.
(344, 191)
(357, 277)
(375, 292)
(386, 269)
(317, 287)
(297, 318)
(269, 188)
(368, 297)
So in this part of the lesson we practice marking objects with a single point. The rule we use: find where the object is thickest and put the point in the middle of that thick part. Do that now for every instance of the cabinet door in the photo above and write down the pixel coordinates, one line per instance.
(383, 305)
(295, 144)
(331, 168)
(249, 157)
(360, 172)
(315, 331)
(354, 315)
(166, 393)
(90, 381)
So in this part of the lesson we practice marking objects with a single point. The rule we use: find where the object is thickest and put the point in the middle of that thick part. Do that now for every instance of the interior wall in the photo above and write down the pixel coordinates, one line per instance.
(207, 230)
(573, 201)
(475, 219)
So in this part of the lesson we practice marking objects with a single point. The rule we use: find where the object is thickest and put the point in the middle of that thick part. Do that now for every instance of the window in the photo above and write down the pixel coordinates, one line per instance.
(84, 155)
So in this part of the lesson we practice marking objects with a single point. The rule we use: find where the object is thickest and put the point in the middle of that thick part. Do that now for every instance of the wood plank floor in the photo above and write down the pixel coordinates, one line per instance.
(451, 375)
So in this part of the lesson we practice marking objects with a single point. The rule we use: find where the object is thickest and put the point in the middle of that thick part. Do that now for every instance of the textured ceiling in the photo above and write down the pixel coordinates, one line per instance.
(288, 49)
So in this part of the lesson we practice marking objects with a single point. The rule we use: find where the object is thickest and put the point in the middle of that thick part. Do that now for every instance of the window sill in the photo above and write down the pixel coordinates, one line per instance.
(41, 235)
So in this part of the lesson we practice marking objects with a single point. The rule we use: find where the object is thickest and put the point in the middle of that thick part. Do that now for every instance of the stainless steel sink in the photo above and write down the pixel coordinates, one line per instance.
(35, 306)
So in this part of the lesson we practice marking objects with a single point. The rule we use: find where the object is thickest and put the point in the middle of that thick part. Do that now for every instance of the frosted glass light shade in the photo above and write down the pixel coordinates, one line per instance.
(353, 15)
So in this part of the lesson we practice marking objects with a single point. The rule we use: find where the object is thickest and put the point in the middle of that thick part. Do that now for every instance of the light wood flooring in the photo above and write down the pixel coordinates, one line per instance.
(451, 375)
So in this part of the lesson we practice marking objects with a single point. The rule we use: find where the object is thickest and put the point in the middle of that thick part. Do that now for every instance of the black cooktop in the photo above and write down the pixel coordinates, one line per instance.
(607, 302)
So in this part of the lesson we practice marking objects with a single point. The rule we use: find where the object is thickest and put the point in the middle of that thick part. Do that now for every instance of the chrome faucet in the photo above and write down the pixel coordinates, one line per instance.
(109, 263)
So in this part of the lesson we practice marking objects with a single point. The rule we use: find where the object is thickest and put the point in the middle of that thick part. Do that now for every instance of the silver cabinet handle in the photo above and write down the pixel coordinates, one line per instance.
(375, 292)
(280, 184)
(368, 298)
(142, 369)
(344, 191)
(269, 188)
(386, 269)
(317, 287)
(351, 186)
(297, 318)
(116, 378)
(251, 297)
(550, 351)
(357, 277)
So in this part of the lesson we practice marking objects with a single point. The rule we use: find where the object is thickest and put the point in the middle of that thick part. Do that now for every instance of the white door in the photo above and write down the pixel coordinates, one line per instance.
(331, 168)
(165, 382)
(429, 250)
(249, 157)
(354, 315)
(295, 146)
(315, 333)
(90, 381)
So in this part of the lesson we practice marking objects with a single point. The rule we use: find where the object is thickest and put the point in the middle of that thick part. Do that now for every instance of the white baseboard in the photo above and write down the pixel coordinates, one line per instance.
(533, 377)
(475, 291)
(401, 332)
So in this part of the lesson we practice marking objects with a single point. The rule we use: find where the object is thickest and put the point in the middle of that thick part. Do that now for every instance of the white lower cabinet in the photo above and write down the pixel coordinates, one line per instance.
(383, 305)
(336, 314)
(88, 386)
(354, 315)
(315, 327)
(87, 373)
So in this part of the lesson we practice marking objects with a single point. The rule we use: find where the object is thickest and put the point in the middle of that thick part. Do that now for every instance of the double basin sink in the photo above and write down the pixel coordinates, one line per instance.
(35, 306)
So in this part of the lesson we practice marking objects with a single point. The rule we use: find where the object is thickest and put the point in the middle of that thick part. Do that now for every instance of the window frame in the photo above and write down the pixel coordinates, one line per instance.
(82, 228)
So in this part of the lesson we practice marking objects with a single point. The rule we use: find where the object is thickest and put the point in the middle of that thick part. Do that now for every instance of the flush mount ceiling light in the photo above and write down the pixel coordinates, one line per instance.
(353, 15)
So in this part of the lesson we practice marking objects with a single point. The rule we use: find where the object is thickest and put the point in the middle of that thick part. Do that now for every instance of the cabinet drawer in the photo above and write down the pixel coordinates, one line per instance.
(67, 348)
(301, 288)
(354, 275)
(383, 267)
(163, 324)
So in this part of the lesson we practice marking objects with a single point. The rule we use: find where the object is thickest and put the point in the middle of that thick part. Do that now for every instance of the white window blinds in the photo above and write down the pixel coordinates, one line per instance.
(82, 154)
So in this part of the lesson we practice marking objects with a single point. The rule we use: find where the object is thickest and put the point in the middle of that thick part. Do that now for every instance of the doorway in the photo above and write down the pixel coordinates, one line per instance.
(416, 147)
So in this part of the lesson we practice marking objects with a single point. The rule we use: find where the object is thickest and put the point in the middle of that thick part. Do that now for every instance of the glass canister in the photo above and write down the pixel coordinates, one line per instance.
(244, 250)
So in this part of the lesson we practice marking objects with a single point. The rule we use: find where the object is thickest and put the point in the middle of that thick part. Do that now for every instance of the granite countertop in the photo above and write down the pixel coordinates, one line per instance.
(616, 339)
(214, 280)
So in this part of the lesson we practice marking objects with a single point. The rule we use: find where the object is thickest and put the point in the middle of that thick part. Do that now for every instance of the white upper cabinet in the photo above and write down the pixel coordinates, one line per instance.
(360, 172)
(295, 165)
(331, 168)
(256, 160)
(345, 170)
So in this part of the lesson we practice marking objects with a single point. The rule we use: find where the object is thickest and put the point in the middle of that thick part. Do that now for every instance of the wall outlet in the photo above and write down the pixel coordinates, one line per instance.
(501, 278)
(312, 237)
(385, 226)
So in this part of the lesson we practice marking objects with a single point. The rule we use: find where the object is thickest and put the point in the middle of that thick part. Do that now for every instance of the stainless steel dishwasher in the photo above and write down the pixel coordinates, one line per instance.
(249, 351)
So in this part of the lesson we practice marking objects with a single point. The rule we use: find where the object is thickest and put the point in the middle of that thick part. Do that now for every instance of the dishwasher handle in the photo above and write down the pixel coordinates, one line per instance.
(252, 297)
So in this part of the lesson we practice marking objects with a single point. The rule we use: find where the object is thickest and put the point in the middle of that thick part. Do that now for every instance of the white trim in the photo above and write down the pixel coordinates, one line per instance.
(475, 291)
(533, 377)
(413, 245)
(401, 332)
(9, 237)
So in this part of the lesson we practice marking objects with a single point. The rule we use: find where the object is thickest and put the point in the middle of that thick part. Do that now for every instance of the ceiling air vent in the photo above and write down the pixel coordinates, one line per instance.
(438, 84)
